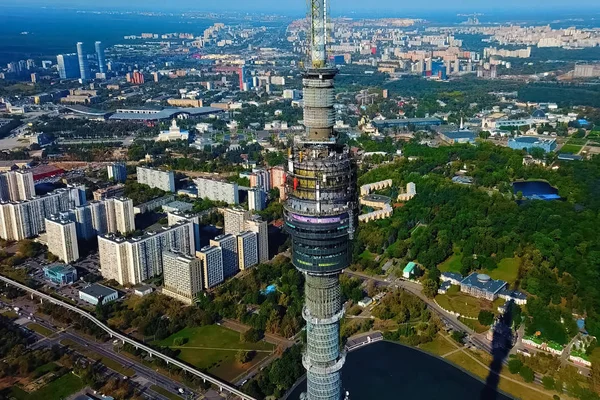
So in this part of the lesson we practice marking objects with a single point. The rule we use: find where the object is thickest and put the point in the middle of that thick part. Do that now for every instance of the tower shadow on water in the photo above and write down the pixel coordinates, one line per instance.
(502, 341)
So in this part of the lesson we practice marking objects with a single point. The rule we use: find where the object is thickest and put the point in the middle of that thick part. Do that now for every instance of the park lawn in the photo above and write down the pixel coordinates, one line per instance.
(58, 389)
(439, 346)
(108, 362)
(367, 255)
(474, 324)
(165, 393)
(10, 314)
(214, 348)
(42, 330)
(44, 369)
(507, 270)
(571, 149)
(452, 264)
(463, 304)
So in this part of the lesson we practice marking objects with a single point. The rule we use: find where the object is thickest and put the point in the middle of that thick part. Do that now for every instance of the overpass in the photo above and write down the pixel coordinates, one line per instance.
(125, 339)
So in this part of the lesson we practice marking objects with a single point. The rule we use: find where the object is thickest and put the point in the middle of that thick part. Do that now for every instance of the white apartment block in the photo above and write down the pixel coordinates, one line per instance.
(124, 217)
(257, 199)
(155, 178)
(176, 216)
(247, 250)
(182, 276)
(131, 261)
(257, 225)
(212, 265)
(62, 238)
(217, 190)
(25, 219)
(16, 185)
(228, 245)
(234, 220)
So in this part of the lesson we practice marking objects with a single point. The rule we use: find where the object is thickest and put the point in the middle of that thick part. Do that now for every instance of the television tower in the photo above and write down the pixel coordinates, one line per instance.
(320, 216)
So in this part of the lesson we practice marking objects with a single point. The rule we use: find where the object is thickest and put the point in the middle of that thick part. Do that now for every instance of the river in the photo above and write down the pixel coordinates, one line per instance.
(386, 370)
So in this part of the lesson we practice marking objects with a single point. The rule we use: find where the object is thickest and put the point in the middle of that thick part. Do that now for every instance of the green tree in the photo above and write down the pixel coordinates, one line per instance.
(595, 372)
(548, 382)
(527, 374)
(515, 365)
(485, 317)
(430, 288)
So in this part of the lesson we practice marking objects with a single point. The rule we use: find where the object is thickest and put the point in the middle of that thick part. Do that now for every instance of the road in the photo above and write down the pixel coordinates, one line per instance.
(149, 376)
(126, 339)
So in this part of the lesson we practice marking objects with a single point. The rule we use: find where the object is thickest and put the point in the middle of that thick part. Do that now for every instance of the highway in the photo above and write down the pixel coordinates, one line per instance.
(125, 339)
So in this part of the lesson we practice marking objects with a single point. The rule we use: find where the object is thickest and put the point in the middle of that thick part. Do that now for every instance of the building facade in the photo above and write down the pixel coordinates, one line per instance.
(235, 219)
(212, 265)
(60, 274)
(117, 172)
(217, 190)
(228, 245)
(62, 238)
(124, 218)
(97, 293)
(16, 185)
(247, 245)
(84, 68)
(68, 66)
(182, 276)
(256, 224)
(155, 178)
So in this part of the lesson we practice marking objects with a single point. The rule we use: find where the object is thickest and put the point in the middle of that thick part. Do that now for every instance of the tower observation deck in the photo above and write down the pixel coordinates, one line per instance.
(320, 215)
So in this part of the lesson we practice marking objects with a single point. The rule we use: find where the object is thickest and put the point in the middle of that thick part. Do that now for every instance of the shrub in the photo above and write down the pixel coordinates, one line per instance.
(527, 374)
(515, 365)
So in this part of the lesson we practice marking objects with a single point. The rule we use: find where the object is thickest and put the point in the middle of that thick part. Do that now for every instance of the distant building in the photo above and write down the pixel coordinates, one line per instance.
(62, 238)
(143, 290)
(68, 66)
(182, 276)
(257, 199)
(457, 137)
(404, 123)
(60, 274)
(531, 142)
(411, 191)
(217, 190)
(100, 57)
(164, 180)
(366, 302)
(84, 68)
(177, 206)
(16, 185)
(256, 224)
(235, 220)
(153, 204)
(117, 172)
(97, 293)
(124, 217)
(111, 191)
(174, 133)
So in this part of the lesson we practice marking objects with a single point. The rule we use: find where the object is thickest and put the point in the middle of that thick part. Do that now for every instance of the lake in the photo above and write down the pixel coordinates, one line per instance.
(386, 370)
(536, 190)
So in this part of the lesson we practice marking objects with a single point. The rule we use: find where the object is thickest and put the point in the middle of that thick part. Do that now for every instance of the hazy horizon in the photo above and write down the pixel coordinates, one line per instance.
(337, 6)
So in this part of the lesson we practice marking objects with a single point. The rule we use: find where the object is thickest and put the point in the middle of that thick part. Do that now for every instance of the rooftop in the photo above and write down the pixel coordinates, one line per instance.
(96, 290)
(409, 267)
(167, 113)
(483, 282)
(59, 268)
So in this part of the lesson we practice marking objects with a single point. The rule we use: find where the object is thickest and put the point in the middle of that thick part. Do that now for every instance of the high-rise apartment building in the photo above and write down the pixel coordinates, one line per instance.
(176, 216)
(99, 217)
(16, 185)
(257, 199)
(117, 190)
(82, 216)
(212, 265)
(182, 276)
(62, 238)
(217, 190)
(131, 261)
(260, 178)
(235, 220)
(124, 218)
(278, 180)
(228, 245)
(256, 224)
(155, 178)
(84, 68)
(25, 219)
(117, 172)
(101, 58)
(247, 250)
(68, 66)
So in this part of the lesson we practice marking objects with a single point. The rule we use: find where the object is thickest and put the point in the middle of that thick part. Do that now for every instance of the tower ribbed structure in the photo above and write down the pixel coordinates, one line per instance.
(320, 215)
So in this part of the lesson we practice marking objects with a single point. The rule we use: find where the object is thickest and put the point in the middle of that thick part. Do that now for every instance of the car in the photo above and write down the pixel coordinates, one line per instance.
(181, 391)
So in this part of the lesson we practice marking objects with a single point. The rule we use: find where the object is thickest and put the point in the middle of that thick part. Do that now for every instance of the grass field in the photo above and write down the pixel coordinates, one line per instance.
(452, 264)
(214, 348)
(165, 393)
(474, 324)
(10, 314)
(507, 270)
(108, 362)
(463, 304)
(58, 389)
(439, 346)
(571, 148)
(40, 329)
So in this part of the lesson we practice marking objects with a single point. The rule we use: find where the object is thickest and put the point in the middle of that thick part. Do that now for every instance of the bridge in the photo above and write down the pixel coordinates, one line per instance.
(125, 339)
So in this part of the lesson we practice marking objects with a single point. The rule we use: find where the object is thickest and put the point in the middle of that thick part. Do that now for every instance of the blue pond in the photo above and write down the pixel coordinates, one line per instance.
(536, 190)
(386, 370)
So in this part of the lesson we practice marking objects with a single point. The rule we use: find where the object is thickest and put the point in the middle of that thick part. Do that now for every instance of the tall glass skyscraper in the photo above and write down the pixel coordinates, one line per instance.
(84, 68)
(320, 215)
(101, 57)
(68, 66)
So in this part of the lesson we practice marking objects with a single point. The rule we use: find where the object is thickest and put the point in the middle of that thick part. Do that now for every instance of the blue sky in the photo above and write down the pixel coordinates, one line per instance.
(338, 6)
